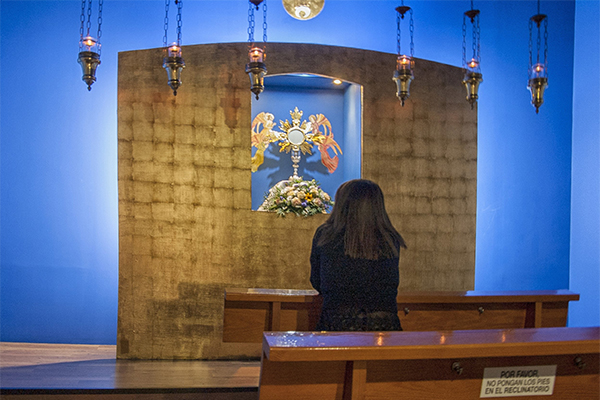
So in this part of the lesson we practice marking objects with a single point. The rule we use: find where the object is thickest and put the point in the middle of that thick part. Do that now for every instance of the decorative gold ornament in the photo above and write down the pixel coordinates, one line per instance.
(303, 9)
(296, 136)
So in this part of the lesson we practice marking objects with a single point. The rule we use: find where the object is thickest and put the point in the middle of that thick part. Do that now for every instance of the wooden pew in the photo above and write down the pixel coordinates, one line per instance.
(250, 312)
(432, 365)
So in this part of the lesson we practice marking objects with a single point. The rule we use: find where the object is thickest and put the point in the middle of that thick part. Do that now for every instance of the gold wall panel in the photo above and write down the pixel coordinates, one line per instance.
(186, 229)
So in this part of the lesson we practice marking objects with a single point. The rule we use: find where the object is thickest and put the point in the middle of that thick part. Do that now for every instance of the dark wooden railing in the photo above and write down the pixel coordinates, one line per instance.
(250, 312)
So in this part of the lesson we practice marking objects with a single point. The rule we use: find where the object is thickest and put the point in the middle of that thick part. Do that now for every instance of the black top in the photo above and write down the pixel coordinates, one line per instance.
(355, 291)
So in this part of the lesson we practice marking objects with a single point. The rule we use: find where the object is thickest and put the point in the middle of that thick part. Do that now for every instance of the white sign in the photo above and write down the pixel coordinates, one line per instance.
(536, 380)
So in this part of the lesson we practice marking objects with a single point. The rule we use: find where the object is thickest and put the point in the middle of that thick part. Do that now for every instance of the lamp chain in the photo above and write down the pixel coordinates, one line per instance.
(530, 43)
(250, 22)
(179, 23)
(398, 33)
(539, 43)
(546, 41)
(474, 44)
(82, 19)
(166, 22)
(100, 4)
(478, 36)
(265, 21)
(464, 43)
(399, 18)
(412, 32)
(89, 17)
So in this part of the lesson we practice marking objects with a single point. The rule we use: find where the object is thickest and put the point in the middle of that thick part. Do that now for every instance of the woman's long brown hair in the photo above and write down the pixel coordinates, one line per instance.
(359, 215)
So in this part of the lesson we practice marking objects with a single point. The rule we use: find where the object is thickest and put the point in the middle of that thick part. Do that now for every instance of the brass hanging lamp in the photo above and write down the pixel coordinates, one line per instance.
(538, 71)
(403, 75)
(472, 68)
(173, 61)
(256, 67)
(89, 47)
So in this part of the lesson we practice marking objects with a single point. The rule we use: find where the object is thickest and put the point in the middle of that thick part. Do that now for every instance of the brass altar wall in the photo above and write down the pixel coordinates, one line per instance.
(186, 229)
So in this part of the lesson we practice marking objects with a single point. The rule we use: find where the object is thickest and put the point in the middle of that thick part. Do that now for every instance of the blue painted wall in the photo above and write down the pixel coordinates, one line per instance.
(58, 147)
(524, 174)
(585, 200)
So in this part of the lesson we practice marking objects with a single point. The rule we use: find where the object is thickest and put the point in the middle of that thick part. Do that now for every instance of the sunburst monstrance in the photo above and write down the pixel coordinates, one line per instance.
(296, 136)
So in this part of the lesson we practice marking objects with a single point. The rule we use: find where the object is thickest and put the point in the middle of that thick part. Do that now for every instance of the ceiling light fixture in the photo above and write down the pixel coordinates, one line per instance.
(89, 48)
(472, 68)
(256, 67)
(538, 71)
(303, 9)
(172, 60)
(405, 64)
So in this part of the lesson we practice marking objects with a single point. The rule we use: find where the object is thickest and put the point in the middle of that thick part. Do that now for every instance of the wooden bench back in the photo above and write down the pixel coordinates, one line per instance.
(424, 365)
(250, 312)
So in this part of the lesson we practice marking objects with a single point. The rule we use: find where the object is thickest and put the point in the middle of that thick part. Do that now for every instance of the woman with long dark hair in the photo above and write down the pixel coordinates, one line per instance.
(354, 262)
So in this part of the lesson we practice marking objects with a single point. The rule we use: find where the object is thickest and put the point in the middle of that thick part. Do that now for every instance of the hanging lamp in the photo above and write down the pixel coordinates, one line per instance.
(538, 71)
(89, 47)
(472, 68)
(256, 67)
(173, 61)
(405, 64)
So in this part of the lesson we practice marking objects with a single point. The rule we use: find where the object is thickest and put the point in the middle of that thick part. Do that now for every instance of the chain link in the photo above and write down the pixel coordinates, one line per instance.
(546, 43)
(82, 19)
(166, 22)
(478, 36)
(412, 34)
(539, 43)
(89, 17)
(100, 4)
(250, 22)
(179, 23)
(399, 18)
(474, 38)
(530, 43)
(464, 42)
(265, 21)
(398, 33)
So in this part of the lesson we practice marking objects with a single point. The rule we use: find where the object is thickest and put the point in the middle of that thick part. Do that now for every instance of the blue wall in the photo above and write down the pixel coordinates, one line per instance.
(585, 200)
(58, 149)
(524, 174)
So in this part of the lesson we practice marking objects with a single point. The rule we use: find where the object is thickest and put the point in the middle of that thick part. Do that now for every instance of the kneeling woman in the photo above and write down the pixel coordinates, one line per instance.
(354, 262)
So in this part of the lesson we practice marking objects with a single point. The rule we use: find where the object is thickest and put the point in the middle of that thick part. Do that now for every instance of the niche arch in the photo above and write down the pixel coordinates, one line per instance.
(340, 102)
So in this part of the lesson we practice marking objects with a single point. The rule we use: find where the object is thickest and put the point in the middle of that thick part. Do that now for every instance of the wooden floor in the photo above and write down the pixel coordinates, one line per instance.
(90, 371)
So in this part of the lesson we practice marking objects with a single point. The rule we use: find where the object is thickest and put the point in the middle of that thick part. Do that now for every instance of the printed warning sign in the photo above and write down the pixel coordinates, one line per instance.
(537, 380)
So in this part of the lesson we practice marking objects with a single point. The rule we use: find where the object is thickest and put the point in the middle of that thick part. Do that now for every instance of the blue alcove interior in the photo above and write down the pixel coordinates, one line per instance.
(312, 94)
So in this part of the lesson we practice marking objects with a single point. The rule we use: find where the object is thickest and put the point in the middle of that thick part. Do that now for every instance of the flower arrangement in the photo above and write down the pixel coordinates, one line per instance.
(295, 195)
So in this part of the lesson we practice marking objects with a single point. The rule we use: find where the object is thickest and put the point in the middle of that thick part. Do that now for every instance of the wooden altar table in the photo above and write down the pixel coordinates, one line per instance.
(250, 312)
(447, 365)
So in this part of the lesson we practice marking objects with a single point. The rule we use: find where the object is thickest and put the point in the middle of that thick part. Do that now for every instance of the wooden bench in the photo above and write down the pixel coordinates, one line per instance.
(250, 312)
(431, 365)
